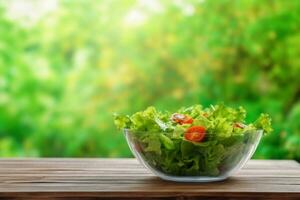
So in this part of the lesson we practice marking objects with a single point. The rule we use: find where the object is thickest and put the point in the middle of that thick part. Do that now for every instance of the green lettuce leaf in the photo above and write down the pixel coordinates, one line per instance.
(263, 123)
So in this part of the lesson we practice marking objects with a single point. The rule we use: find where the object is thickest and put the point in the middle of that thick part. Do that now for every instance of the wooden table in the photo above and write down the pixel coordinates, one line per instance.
(126, 179)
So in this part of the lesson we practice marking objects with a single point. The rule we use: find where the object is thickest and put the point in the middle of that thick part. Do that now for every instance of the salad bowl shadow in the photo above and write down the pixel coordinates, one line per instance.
(184, 161)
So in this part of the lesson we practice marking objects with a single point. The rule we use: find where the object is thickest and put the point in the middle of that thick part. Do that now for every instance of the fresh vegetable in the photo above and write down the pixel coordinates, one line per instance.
(193, 140)
(195, 133)
(181, 118)
(239, 125)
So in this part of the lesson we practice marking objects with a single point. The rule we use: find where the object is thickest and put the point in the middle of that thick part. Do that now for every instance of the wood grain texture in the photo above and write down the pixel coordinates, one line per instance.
(127, 179)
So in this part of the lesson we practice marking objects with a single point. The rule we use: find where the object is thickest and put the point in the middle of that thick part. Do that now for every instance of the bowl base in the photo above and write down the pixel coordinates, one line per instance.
(192, 179)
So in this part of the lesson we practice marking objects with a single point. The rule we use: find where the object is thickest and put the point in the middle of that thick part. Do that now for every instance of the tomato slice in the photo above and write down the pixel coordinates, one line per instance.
(181, 118)
(195, 133)
(205, 114)
(239, 125)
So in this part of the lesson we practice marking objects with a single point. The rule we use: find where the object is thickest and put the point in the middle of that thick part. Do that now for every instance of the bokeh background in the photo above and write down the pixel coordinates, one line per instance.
(67, 65)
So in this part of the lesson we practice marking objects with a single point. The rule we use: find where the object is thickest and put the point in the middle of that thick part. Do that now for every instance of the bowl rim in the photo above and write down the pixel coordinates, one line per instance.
(126, 130)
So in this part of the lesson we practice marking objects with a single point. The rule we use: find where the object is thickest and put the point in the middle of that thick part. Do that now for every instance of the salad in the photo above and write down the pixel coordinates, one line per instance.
(193, 141)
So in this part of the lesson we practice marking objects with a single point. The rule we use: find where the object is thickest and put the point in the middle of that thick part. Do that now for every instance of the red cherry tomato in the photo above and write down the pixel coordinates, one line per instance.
(195, 133)
(181, 118)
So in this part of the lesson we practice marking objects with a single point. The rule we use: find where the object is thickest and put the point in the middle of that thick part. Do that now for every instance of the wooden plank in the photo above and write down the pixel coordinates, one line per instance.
(115, 178)
(88, 164)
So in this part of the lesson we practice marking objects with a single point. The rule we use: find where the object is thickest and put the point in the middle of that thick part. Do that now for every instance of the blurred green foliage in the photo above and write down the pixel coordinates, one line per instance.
(63, 76)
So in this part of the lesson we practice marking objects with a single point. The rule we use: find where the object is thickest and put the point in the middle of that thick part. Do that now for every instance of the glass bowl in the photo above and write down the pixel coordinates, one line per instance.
(184, 161)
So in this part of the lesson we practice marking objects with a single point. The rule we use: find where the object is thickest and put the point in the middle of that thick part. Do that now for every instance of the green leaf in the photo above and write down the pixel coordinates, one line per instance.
(167, 142)
(264, 123)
